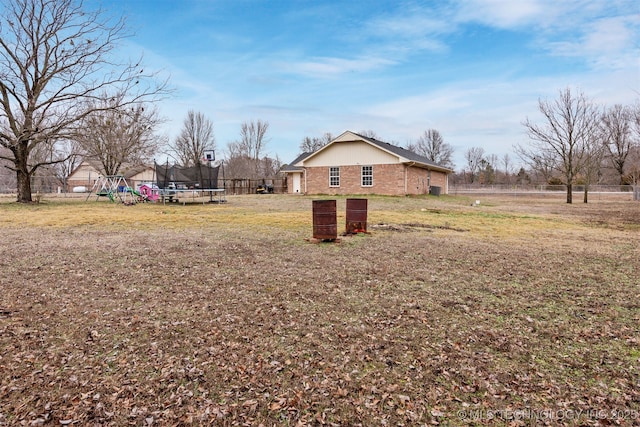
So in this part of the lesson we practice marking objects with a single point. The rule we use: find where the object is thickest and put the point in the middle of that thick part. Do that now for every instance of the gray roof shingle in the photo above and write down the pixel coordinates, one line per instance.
(403, 152)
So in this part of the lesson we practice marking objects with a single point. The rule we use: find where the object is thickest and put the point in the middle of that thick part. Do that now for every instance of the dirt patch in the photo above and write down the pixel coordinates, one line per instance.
(226, 315)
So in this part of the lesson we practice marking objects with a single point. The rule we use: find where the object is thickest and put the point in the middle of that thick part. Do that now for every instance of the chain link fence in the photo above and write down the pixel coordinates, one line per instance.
(52, 184)
(542, 189)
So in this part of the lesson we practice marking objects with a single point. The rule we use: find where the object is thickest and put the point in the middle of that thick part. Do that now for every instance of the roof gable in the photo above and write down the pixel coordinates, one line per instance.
(344, 153)
(401, 154)
(84, 169)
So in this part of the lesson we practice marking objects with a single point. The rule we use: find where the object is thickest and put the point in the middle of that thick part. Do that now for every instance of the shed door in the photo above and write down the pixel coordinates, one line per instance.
(296, 182)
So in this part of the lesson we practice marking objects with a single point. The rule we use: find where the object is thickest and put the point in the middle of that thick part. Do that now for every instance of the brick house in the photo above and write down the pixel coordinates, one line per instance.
(354, 164)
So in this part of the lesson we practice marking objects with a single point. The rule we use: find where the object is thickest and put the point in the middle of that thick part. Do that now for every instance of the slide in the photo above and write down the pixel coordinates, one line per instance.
(141, 197)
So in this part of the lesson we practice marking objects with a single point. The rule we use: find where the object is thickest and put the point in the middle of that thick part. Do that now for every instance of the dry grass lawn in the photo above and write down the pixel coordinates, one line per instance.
(518, 311)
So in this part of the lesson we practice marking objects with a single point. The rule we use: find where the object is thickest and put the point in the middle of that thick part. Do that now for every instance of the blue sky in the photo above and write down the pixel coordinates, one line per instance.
(472, 69)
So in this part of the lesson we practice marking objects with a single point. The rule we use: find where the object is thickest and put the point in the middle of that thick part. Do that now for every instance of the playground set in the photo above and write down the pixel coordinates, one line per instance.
(116, 188)
(171, 184)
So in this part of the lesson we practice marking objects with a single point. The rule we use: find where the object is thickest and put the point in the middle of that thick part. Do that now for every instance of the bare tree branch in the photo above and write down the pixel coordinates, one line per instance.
(473, 156)
(310, 145)
(195, 138)
(432, 146)
(563, 141)
(56, 60)
(616, 126)
(115, 137)
(251, 145)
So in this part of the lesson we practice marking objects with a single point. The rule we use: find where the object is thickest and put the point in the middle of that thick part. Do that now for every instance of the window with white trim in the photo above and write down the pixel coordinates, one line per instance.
(367, 176)
(334, 177)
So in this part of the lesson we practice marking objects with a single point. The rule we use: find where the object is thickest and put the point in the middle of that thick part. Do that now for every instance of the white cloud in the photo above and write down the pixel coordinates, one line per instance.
(421, 25)
(326, 67)
(500, 13)
(543, 15)
(405, 31)
(603, 33)
(604, 43)
(340, 87)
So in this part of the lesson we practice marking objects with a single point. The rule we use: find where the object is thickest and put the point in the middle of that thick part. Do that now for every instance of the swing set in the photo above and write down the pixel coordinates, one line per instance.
(115, 188)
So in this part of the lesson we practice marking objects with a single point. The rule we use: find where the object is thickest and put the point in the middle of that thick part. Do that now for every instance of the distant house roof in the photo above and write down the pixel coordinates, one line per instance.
(129, 170)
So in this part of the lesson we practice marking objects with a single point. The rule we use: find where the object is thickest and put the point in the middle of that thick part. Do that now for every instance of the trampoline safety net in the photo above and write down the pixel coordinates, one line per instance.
(182, 178)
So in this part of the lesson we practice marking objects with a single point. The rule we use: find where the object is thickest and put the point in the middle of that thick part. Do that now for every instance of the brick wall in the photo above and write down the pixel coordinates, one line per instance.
(387, 179)
(419, 180)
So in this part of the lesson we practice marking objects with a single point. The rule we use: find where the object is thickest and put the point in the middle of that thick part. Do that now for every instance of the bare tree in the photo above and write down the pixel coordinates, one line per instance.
(507, 164)
(592, 163)
(270, 166)
(564, 139)
(310, 145)
(253, 138)
(55, 58)
(244, 156)
(195, 138)
(238, 166)
(617, 132)
(541, 163)
(114, 137)
(432, 146)
(473, 156)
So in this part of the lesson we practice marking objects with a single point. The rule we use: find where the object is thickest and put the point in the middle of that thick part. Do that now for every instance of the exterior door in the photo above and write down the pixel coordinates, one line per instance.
(296, 182)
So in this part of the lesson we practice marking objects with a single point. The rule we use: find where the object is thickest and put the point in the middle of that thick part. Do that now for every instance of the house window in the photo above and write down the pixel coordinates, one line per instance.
(334, 177)
(367, 176)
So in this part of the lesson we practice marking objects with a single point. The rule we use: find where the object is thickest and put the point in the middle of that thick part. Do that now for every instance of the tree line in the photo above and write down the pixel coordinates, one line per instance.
(577, 140)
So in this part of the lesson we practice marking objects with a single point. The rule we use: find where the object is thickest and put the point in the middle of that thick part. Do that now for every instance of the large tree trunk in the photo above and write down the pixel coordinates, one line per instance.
(24, 186)
(569, 193)
(23, 177)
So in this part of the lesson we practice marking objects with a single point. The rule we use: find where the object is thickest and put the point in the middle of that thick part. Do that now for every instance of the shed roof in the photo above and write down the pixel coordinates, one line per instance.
(291, 167)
